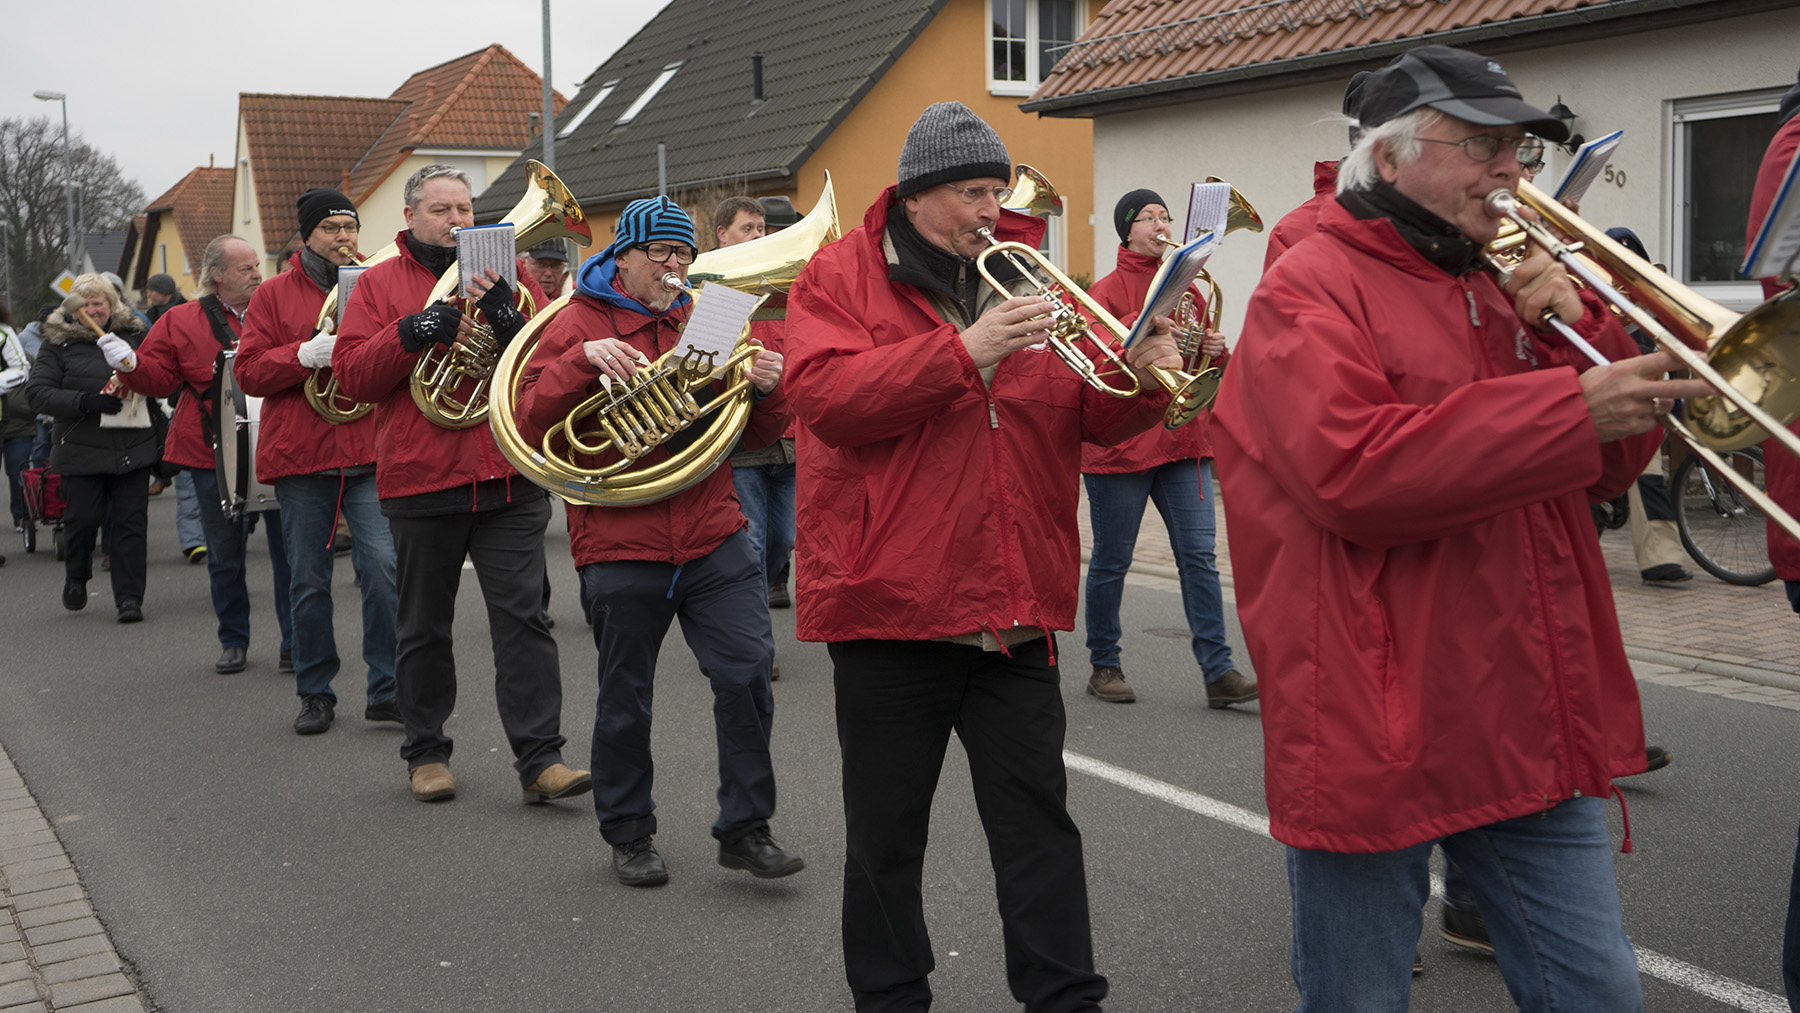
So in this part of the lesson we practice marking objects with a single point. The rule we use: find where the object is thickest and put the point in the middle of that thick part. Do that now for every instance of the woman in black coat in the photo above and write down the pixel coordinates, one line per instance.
(102, 467)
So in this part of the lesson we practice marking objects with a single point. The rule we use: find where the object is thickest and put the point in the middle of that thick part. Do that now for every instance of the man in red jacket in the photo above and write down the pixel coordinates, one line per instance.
(449, 494)
(938, 555)
(685, 556)
(1170, 467)
(179, 356)
(320, 471)
(1410, 464)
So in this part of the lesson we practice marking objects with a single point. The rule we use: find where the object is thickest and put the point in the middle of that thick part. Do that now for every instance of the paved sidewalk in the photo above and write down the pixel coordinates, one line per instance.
(54, 954)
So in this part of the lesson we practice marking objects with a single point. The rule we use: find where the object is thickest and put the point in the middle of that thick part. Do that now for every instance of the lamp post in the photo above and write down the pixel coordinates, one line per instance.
(68, 166)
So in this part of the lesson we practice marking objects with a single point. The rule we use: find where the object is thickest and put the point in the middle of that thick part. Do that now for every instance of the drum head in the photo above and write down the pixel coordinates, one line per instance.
(239, 416)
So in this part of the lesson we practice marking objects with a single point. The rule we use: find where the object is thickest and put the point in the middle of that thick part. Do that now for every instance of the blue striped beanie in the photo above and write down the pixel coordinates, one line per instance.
(652, 220)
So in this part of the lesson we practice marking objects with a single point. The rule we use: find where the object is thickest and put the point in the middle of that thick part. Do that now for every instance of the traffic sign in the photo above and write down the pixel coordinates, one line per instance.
(64, 283)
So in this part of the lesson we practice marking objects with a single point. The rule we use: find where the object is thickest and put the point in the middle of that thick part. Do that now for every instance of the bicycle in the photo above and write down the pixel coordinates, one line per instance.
(1725, 533)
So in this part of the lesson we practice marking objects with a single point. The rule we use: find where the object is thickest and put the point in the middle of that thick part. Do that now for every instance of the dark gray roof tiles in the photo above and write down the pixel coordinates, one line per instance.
(819, 58)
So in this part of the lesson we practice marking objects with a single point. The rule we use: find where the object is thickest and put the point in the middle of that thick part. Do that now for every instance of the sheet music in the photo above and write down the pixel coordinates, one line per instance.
(1174, 277)
(1589, 162)
(348, 275)
(720, 315)
(1777, 243)
(480, 248)
(1209, 204)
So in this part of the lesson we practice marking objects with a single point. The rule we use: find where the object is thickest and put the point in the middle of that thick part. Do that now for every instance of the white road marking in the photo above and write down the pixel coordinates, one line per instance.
(1717, 987)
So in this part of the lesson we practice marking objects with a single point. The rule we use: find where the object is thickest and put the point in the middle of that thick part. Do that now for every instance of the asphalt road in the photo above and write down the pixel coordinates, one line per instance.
(241, 867)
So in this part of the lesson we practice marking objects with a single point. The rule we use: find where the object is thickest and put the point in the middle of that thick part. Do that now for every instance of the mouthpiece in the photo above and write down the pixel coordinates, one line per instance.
(1501, 203)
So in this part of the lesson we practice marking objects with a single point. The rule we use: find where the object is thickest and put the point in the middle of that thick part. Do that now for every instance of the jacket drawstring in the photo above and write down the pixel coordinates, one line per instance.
(1624, 817)
(474, 495)
(1049, 639)
(995, 630)
(673, 579)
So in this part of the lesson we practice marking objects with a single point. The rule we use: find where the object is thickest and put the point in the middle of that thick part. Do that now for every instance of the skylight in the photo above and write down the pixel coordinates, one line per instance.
(649, 93)
(592, 104)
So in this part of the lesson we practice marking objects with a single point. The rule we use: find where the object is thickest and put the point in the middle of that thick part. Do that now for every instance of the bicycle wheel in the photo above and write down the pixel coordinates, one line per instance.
(1724, 532)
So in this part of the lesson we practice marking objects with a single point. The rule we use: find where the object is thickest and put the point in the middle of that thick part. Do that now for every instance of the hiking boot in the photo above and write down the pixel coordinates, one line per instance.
(1230, 688)
(636, 863)
(1108, 683)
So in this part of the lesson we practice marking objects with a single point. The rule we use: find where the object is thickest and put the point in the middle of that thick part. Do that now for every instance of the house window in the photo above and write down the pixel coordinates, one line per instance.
(1717, 144)
(587, 108)
(649, 93)
(1021, 35)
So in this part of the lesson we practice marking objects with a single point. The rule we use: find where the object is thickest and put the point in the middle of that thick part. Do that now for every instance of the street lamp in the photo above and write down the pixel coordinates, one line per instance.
(68, 166)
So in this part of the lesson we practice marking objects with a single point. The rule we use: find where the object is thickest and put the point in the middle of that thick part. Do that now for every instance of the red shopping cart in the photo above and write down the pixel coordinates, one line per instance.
(43, 507)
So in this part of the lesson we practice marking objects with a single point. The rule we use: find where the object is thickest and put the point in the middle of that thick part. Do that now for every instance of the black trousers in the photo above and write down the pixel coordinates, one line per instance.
(86, 501)
(507, 549)
(897, 702)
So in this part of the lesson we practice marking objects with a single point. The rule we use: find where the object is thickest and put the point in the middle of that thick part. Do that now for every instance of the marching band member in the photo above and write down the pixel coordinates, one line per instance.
(449, 494)
(938, 465)
(1170, 467)
(180, 354)
(319, 470)
(1410, 463)
(685, 556)
(548, 263)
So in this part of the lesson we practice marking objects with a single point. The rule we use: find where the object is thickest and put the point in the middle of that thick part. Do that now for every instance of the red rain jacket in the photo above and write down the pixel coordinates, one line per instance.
(685, 526)
(293, 438)
(1408, 470)
(1781, 470)
(930, 505)
(179, 353)
(1303, 221)
(413, 455)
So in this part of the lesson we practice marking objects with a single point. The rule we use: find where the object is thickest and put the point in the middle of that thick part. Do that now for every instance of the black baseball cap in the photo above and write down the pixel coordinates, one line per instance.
(1465, 85)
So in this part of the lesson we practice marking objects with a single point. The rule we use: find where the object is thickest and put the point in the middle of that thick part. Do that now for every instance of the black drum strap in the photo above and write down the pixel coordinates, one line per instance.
(216, 315)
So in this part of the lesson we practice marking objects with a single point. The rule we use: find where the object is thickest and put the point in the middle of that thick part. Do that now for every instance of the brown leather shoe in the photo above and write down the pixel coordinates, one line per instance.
(1108, 683)
(431, 782)
(558, 781)
(1231, 688)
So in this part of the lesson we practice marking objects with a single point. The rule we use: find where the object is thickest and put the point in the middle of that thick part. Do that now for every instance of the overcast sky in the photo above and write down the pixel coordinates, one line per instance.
(155, 84)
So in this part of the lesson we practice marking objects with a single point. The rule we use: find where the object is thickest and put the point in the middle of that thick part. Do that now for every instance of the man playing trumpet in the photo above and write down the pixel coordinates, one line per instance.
(685, 556)
(319, 470)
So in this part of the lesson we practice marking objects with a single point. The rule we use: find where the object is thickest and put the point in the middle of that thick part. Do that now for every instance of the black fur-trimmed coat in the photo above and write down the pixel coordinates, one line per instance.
(69, 365)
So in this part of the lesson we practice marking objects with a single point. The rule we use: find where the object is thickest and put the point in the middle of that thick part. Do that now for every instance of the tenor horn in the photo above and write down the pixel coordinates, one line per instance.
(601, 452)
(450, 385)
(321, 387)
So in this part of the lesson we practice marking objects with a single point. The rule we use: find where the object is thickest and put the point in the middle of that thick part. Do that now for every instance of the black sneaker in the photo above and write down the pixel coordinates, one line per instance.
(636, 863)
(1466, 929)
(1655, 758)
(74, 594)
(758, 854)
(386, 710)
(286, 662)
(1666, 573)
(130, 611)
(316, 714)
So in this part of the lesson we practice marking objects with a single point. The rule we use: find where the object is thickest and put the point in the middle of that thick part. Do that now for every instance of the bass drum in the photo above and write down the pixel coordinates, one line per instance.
(234, 449)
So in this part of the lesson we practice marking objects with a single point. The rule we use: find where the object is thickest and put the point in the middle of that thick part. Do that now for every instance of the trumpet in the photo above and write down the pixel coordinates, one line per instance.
(1188, 395)
(1753, 360)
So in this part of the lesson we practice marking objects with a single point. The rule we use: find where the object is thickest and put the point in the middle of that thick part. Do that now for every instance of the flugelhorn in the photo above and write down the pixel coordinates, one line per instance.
(599, 454)
(450, 385)
(1752, 359)
(321, 387)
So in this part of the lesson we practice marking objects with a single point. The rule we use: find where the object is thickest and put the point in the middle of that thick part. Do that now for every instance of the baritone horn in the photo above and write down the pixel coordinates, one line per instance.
(1190, 327)
(599, 454)
(321, 387)
(1752, 359)
(450, 384)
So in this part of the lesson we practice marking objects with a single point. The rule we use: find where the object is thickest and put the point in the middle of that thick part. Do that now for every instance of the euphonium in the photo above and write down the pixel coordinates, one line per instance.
(450, 385)
(597, 454)
(321, 387)
(1241, 215)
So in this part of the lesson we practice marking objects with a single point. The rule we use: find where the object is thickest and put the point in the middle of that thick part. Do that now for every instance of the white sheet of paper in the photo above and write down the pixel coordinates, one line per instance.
(1172, 279)
(1589, 162)
(1209, 204)
(719, 316)
(1777, 245)
(483, 247)
(347, 278)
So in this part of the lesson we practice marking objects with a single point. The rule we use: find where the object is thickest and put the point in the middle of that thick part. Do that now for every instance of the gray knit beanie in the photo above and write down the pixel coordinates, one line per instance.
(949, 142)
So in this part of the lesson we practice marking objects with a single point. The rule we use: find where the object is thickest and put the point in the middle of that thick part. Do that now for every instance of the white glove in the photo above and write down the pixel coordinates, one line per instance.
(315, 352)
(10, 379)
(118, 353)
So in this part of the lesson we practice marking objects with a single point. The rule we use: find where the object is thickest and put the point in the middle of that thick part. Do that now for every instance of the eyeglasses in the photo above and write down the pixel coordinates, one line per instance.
(974, 194)
(1536, 166)
(1156, 219)
(659, 252)
(1482, 148)
(335, 228)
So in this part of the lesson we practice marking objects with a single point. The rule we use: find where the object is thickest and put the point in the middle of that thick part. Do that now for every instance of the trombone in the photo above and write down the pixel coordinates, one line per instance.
(1752, 359)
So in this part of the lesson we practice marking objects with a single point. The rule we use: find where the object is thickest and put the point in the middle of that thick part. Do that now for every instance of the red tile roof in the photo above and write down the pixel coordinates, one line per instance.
(481, 100)
(301, 141)
(1139, 48)
(201, 208)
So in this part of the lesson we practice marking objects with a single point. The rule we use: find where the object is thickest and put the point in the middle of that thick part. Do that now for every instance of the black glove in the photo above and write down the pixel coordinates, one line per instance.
(100, 404)
(502, 316)
(436, 323)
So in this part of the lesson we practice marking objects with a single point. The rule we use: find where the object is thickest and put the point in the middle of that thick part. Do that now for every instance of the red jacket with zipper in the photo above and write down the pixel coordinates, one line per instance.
(293, 438)
(558, 376)
(1781, 470)
(179, 353)
(929, 504)
(413, 454)
(1123, 293)
(1409, 469)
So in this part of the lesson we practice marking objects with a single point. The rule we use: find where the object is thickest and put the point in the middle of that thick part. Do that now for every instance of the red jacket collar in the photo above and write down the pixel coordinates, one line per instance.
(1325, 176)
(1378, 238)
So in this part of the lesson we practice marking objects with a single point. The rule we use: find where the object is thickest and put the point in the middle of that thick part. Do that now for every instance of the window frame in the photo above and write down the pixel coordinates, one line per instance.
(1033, 46)
(1678, 115)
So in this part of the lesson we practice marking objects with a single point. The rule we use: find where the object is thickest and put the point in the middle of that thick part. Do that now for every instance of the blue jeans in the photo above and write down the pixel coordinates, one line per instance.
(1116, 510)
(225, 565)
(766, 494)
(308, 517)
(187, 513)
(1546, 890)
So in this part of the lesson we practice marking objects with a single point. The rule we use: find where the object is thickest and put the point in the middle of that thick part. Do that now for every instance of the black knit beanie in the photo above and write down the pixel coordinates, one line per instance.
(1126, 211)
(320, 203)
